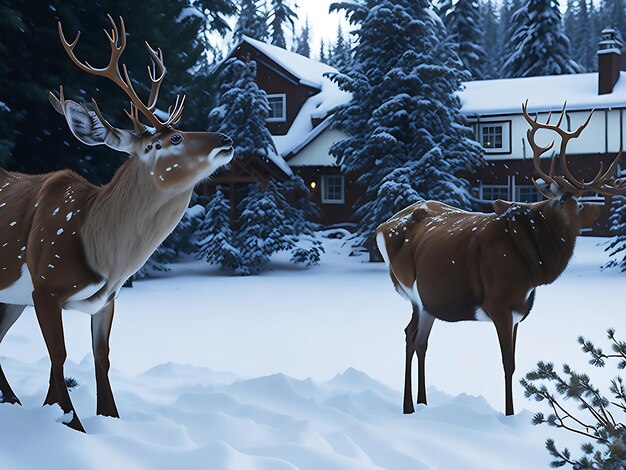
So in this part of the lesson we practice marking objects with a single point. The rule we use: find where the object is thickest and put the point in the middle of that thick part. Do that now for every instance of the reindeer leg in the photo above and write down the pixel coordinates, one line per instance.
(503, 322)
(100, 332)
(48, 310)
(426, 321)
(8, 315)
(410, 332)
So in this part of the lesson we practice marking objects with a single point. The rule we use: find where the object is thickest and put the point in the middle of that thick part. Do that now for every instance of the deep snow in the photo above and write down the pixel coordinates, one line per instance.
(315, 365)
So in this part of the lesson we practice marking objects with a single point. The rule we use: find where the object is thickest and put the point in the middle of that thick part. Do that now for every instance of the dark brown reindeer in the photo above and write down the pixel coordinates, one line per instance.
(454, 265)
(65, 243)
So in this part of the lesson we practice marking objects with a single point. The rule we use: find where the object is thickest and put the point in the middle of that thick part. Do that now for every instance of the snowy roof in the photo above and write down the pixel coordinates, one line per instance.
(505, 96)
(310, 73)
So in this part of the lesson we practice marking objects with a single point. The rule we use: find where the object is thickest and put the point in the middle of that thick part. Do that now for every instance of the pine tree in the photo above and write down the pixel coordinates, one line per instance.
(340, 57)
(251, 22)
(539, 46)
(281, 15)
(512, 16)
(408, 139)
(323, 59)
(242, 110)
(215, 235)
(597, 417)
(617, 245)
(613, 16)
(462, 19)
(491, 40)
(302, 43)
(257, 240)
(586, 45)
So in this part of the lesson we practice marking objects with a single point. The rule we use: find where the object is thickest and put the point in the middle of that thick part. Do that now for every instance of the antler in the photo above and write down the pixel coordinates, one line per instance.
(117, 41)
(603, 182)
(538, 150)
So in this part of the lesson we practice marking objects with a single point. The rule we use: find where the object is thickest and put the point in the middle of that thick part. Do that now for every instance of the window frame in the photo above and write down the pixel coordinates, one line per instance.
(325, 186)
(506, 136)
(283, 97)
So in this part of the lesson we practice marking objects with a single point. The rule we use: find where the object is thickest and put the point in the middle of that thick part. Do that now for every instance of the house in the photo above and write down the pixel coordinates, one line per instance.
(303, 99)
(493, 107)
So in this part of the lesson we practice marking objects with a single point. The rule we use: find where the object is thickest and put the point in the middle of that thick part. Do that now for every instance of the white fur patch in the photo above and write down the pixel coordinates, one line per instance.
(481, 315)
(21, 291)
(412, 294)
(382, 247)
(84, 300)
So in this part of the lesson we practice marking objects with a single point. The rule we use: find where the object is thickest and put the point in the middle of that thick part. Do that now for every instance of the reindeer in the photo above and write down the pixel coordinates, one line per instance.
(454, 265)
(65, 243)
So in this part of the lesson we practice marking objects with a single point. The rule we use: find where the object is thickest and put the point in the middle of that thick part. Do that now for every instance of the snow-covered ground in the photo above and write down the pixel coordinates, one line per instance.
(296, 369)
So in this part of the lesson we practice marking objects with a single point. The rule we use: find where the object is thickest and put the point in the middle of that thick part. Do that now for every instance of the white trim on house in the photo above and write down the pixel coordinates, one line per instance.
(283, 97)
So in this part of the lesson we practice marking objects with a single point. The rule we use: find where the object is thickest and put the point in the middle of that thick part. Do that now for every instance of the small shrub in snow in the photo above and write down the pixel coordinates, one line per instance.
(600, 416)
(71, 383)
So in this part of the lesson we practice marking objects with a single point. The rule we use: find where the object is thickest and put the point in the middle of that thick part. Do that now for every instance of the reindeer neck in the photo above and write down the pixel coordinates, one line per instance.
(557, 239)
(128, 219)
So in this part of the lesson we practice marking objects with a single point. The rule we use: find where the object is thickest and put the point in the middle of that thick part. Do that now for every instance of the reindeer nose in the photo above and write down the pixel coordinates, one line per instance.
(226, 140)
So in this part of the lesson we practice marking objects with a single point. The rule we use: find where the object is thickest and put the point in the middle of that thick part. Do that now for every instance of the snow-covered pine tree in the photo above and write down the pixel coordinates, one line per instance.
(512, 16)
(242, 110)
(268, 223)
(215, 235)
(302, 42)
(282, 15)
(539, 46)
(491, 39)
(585, 46)
(251, 22)
(302, 212)
(463, 21)
(182, 241)
(340, 56)
(323, 59)
(617, 245)
(408, 139)
(261, 228)
(613, 15)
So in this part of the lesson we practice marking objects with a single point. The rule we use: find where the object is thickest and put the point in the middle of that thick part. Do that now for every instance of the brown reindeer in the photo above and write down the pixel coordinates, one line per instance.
(454, 265)
(65, 243)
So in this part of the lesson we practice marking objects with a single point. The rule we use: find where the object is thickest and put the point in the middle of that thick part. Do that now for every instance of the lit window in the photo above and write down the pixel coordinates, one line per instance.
(278, 108)
(333, 189)
(491, 192)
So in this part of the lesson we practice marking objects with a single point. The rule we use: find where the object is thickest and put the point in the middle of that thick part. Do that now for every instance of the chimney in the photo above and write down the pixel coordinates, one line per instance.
(609, 61)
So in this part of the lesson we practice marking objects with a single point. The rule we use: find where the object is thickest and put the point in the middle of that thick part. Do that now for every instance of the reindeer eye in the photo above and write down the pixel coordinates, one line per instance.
(176, 139)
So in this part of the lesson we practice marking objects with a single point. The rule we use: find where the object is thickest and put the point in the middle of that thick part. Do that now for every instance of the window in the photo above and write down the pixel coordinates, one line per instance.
(527, 193)
(278, 108)
(495, 136)
(333, 189)
(492, 137)
(491, 192)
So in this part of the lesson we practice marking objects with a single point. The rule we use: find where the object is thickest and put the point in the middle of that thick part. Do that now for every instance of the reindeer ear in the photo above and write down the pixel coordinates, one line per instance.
(500, 206)
(88, 128)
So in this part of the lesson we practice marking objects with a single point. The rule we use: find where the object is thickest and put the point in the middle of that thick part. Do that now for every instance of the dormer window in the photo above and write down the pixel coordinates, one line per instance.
(278, 107)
